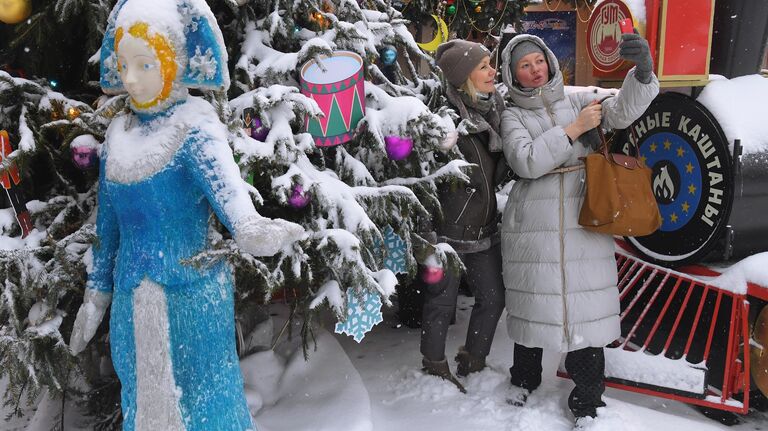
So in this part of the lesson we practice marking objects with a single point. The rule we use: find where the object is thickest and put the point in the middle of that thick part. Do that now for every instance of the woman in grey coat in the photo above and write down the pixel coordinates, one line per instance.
(560, 279)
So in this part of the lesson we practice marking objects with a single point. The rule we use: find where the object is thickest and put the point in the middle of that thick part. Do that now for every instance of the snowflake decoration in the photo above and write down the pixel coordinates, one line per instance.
(111, 75)
(361, 317)
(188, 17)
(395, 249)
(203, 66)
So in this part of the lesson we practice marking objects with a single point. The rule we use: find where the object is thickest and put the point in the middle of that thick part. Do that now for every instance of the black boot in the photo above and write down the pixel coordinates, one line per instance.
(525, 374)
(526, 371)
(467, 363)
(586, 368)
(441, 369)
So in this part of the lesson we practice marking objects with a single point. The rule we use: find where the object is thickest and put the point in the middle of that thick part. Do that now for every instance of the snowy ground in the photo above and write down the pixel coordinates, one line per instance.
(377, 386)
(402, 398)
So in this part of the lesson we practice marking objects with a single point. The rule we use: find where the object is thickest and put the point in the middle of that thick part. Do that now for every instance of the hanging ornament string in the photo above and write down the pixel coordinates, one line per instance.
(575, 6)
(586, 6)
(494, 22)
(554, 9)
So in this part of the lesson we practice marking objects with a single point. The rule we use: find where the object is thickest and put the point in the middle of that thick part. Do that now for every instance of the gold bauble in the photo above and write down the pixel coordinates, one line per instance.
(15, 11)
(478, 9)
(73, 113)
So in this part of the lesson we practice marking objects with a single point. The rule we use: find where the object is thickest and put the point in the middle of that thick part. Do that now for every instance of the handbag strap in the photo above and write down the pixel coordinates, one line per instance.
(604, 142)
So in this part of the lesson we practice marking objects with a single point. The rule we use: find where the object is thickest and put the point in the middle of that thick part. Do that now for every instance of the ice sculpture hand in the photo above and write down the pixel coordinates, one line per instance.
(262, 236)
(95, 304)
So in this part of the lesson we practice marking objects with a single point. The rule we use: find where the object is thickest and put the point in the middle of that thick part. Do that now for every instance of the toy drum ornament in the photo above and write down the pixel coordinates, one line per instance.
(339, 90)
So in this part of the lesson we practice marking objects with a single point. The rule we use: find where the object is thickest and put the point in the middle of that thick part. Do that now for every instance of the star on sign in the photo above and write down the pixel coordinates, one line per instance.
(653, 147)
(689, 168)
(673, 217)
(686, 206)
(692, 189)
(667, 144)
(680, 151)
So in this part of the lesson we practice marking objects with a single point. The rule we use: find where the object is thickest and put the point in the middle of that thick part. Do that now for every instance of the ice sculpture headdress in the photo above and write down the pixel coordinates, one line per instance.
(185, 37)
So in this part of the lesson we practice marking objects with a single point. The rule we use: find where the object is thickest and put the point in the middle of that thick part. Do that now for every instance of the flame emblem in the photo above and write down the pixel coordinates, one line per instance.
(663, 186)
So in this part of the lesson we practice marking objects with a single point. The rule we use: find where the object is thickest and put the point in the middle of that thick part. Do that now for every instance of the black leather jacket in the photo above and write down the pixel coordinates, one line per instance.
(470, 217)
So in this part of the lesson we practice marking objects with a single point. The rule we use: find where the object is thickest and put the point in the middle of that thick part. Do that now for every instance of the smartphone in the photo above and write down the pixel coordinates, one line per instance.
(626, 25)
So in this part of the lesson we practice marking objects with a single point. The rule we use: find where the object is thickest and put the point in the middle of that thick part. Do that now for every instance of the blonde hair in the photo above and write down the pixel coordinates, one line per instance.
(469, 88)
(165, 53)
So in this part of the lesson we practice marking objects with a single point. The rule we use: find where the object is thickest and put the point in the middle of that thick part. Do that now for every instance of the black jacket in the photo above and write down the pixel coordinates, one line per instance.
(470, 217)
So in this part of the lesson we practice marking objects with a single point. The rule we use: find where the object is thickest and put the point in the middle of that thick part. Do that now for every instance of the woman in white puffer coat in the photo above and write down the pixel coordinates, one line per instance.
(560, 279)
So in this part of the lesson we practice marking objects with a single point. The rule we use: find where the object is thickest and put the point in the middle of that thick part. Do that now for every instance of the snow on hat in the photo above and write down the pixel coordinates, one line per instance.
(521, 50)
(457, 58)
(190, 29)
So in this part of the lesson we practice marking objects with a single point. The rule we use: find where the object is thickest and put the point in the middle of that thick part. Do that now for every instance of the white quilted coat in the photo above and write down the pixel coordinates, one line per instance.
(560, 279)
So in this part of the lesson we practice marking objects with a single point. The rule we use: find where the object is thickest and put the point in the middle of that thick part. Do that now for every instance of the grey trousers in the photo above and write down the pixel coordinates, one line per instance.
(484, 279)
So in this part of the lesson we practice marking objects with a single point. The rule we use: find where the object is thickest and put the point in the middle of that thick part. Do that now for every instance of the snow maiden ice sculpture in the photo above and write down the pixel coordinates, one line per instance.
(163, 166)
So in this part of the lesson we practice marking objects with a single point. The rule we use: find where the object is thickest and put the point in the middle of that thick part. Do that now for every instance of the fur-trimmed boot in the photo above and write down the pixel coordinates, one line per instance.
(468, 363)
(441, 369)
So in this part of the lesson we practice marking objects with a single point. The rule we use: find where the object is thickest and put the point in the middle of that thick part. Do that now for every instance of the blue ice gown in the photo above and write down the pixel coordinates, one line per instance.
(145, 228)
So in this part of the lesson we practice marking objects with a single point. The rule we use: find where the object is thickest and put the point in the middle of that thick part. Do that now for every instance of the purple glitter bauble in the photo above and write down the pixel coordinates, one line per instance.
(85, 157)
(398, 148)
(259, 132)
(298, 198)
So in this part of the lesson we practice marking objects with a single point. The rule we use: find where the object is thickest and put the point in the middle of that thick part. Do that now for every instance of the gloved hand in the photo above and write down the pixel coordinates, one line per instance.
(635, 49)
(89, 316)
(262, 236)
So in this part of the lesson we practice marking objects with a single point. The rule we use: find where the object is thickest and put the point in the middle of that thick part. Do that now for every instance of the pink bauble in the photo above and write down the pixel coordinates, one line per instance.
(398, 147)
(85, 157)
(432, 274)
(298, 198)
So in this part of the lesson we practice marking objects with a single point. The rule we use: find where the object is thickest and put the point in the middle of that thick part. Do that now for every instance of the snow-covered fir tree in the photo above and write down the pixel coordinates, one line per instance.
(360, 199)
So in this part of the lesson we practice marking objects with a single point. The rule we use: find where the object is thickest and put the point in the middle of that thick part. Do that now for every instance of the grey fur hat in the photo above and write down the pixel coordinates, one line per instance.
(457, 58)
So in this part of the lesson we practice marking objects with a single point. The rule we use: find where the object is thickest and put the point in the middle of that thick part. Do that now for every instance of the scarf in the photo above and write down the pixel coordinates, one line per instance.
(483, 115)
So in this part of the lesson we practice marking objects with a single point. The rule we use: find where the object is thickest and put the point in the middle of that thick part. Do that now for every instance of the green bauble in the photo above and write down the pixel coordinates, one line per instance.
(451, 9)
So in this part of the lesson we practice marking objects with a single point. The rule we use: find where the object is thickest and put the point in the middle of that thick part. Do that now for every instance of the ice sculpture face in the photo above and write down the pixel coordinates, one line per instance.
(146, 64)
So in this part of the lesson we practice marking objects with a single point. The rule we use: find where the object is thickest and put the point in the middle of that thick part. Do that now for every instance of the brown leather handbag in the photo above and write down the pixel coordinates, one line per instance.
(619, 199)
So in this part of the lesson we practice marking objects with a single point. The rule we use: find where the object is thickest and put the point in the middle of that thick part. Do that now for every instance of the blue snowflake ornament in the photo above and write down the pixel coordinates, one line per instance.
(361, 317)
(395, 249)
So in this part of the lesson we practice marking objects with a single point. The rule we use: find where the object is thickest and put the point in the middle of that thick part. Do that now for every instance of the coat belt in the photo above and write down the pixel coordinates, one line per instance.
(566, 169)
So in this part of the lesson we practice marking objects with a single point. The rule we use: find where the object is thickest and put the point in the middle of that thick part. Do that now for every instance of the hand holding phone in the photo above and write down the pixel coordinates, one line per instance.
(626, 26)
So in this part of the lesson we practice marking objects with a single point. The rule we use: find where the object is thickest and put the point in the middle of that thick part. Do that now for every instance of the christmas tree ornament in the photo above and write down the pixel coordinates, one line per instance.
(259, 131)
(361, 315)
(253, 126)
(388, 55)
(72, 113)
(339, 90)
(432, 274)
(398, 147)
(85, 152)
(298, 198)
(11, 182)
(478, 9)
(451, 10)
(450, 141)
(441, 35)
(395, 250)
(15, 11)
